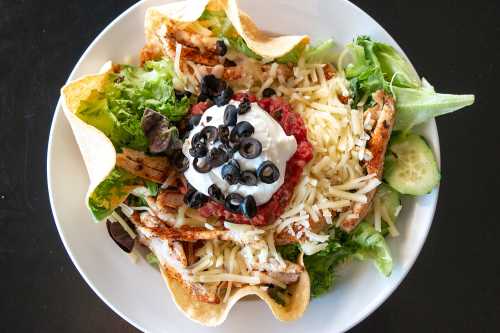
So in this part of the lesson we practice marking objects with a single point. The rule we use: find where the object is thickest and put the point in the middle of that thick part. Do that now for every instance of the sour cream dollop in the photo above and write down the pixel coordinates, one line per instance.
(277, 147)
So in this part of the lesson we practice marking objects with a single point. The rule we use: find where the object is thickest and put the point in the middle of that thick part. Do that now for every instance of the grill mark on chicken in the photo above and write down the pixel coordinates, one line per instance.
(141, 165)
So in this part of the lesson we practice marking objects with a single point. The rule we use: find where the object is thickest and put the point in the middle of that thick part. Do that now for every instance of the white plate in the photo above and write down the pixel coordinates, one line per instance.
(136, 291)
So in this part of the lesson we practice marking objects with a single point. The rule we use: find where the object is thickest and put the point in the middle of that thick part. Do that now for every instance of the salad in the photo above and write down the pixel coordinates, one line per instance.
(242, 164)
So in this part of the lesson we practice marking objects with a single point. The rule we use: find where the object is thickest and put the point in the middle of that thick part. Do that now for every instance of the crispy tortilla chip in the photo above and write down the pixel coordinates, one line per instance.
(98, 152)
(215, 314)
(258, 41)
(179, 13)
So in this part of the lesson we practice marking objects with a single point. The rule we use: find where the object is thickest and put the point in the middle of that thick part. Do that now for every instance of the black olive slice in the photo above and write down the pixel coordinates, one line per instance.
(190, 192)
(216, 194)
(211, 86)
(198, 138)
(224, 97)
(203, 166)
(250, 148)
(198, 150)
(244, 106)
(229, 63)
(244, 129)
(268, 92)
(231, 172)
(249, 207)
(248, 178)
(220, 48)
(233, 202)
(230, 115)
(193, 121)
(195, 199)
(233, 136)
(209, 133)
(216, 157)
(224, 134)
(120, 236)
(268, 172)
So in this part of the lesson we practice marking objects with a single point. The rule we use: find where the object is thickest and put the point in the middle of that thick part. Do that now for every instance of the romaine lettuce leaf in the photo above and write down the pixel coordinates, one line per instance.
(377, 66)
(371, 245)
(117, 111)
(100, 201)
(321, 266)
(395, 68)
(416, 106)
(363, 243)
(321, 53)
(241, 46)
(293, 56)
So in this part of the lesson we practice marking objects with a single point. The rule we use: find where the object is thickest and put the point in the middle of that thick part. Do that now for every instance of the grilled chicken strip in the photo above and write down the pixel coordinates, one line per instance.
(139, 164)
(172, 259)
(384, 113)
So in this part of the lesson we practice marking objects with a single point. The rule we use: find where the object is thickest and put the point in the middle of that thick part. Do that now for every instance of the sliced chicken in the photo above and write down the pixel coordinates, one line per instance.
(384, 113)
(286, 278)
(174, 261)
(169, 200)
(139, 164)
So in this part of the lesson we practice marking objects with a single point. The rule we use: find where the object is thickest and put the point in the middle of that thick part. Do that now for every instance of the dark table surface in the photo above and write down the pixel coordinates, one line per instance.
(455, 283)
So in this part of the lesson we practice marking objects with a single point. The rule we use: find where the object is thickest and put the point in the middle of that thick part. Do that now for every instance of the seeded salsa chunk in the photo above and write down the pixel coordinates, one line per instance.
(244, 209)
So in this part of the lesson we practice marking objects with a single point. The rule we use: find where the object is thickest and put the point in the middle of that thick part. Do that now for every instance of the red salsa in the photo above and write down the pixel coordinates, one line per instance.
(292, 124)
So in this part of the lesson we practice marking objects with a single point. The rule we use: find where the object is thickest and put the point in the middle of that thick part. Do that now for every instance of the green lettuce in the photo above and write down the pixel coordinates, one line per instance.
(371, 244)
(241, 46)
(100, 200)
(152, 188)
(364, 243)
(376, 66)
(152, 259)
(321, 53)
(390, 204)
(118, 109)
(292, 56)
(416, 106)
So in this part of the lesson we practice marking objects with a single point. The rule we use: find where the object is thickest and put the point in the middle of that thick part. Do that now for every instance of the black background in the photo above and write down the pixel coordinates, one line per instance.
(454, 285)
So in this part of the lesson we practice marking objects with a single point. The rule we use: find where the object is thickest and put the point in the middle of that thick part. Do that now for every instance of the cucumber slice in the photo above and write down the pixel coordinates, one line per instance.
(410, 167)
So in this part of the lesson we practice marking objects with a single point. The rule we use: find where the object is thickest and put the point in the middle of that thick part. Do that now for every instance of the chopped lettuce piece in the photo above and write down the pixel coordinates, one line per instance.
(389, 203)
(293, 56)
(364, 73)
(220, 25)
(416, 106)
(152, 259)
(362, 243)
(372, 245)
(117, 111)
(241, 46)
(321, 53)
(101, 200)
(152, 188)
(395, 68)
(321, 266)
(377, 66)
